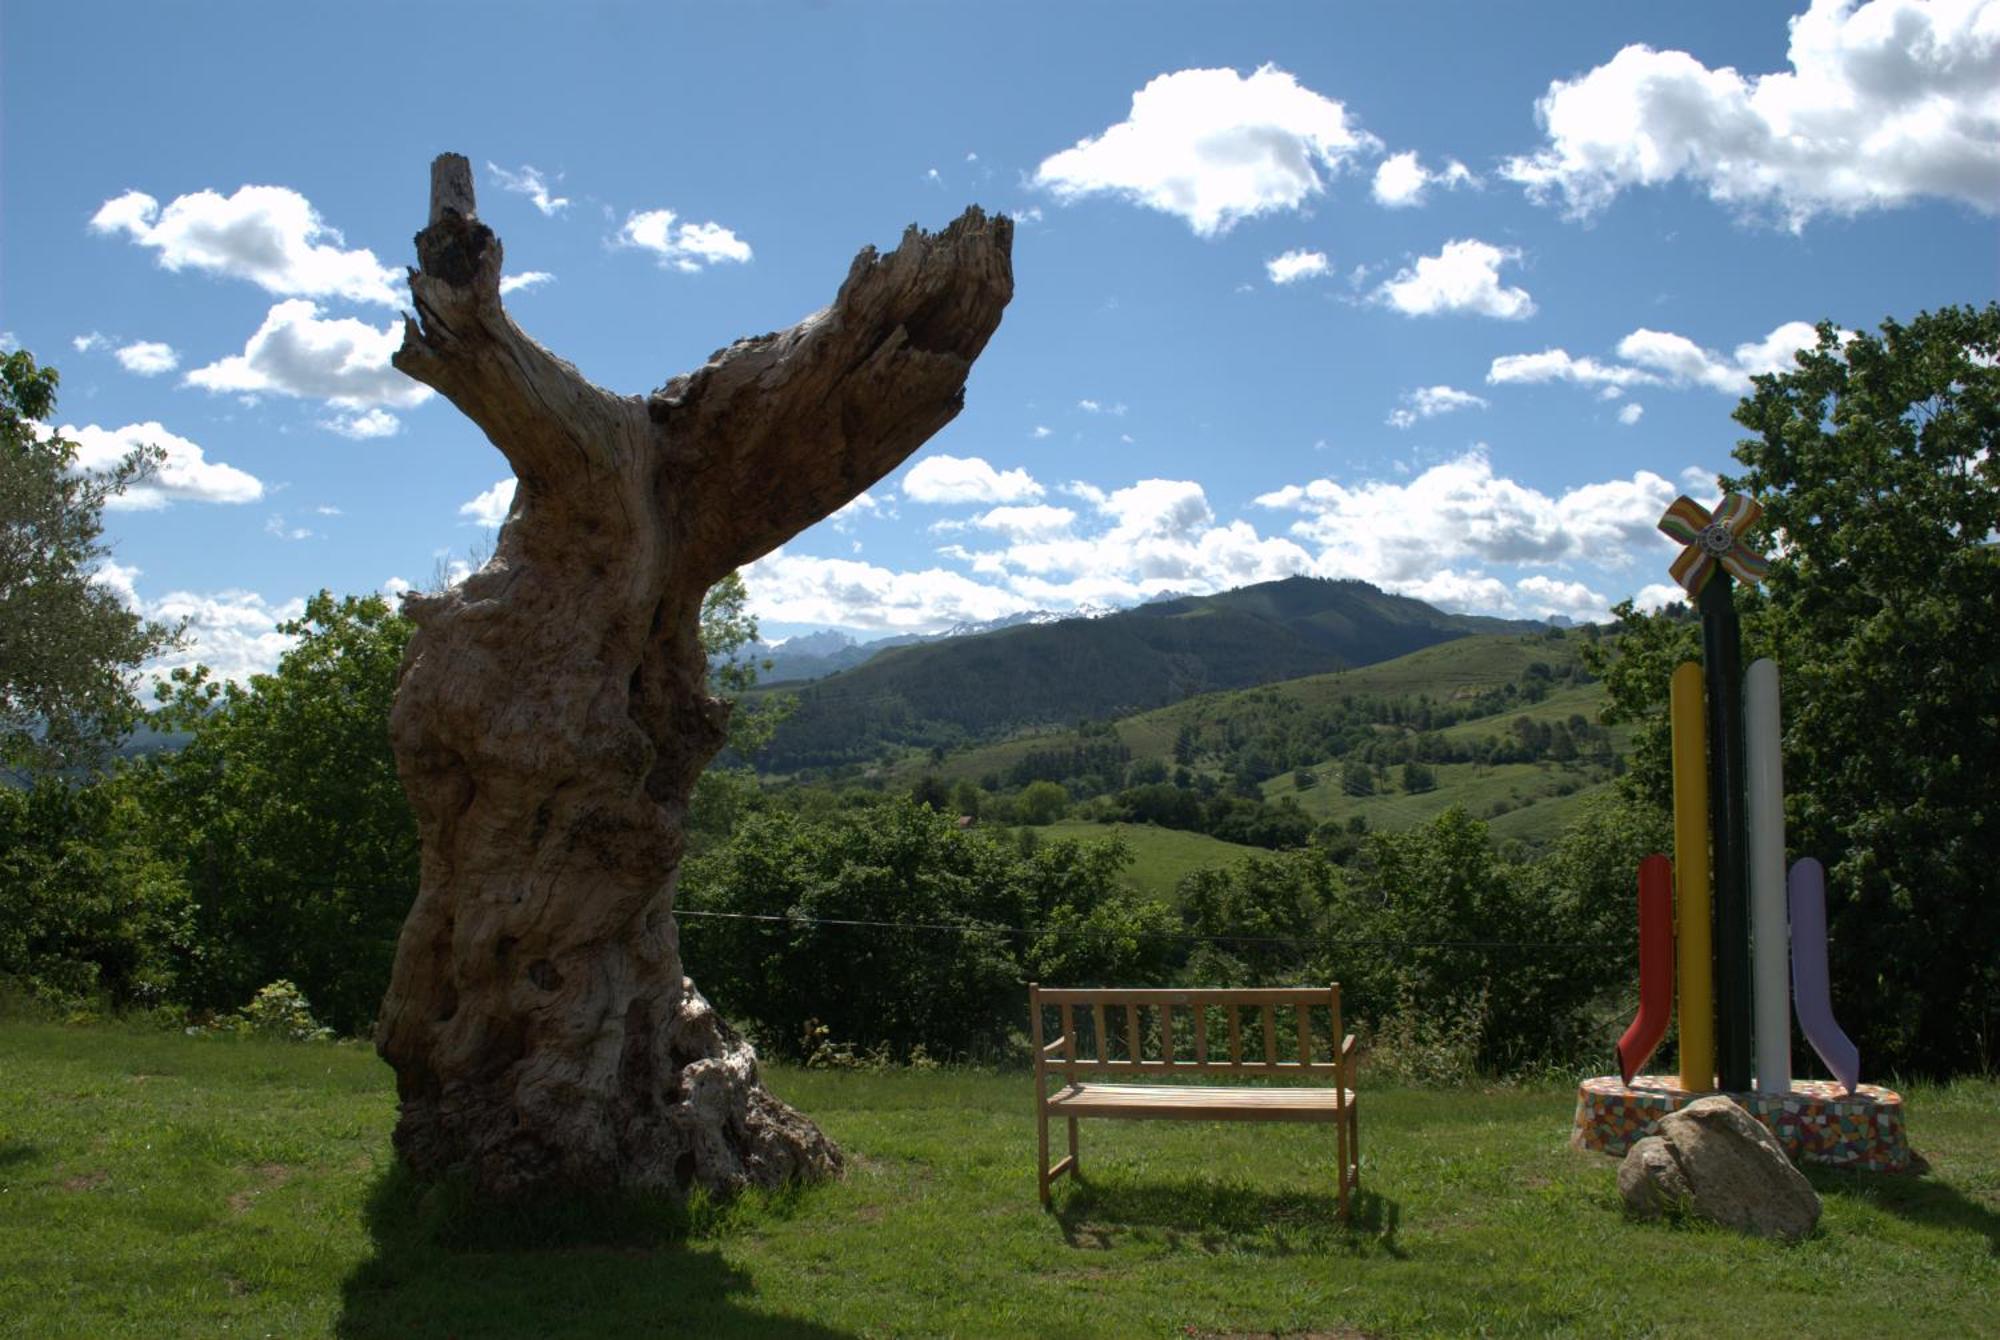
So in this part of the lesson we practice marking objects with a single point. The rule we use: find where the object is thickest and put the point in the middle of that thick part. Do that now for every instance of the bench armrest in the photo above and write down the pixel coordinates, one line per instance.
(1053, 1048)
(1347, 1046)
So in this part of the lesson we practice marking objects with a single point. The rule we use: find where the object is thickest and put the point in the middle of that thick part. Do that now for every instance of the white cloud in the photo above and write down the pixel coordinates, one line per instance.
(969, 479)
(491, 507)
(91, 343)
(1557, 365)
(324, 510)
(1427, 402)
(233, 632)
(1546, 597)
(1631, 414)
(344, 362)
(1464, 277)
(1659, 357)
(1295, 265)
(1885, 103)
(1213, 147)
(1401, 179)
(186, 475)
(787, 588)
(687, 247)
(364, 426)
(527, 279)
(148, 358)
(275, 524)
(862, 504)
(1040, 431)
(1116, 409)
(269, 235)
(1027, 523)
(529, 182)
(1400, 536)
(1659, 595)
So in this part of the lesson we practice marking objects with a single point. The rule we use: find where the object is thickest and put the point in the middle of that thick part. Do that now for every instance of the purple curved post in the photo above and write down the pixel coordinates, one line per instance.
(1811, 995)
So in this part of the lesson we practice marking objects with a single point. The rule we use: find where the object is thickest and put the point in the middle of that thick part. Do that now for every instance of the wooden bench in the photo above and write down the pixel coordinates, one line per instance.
(1117, 1044)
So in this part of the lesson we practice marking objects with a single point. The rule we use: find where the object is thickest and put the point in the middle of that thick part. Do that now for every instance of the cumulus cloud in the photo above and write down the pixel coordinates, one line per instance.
(527, 279)
(148, 358)
(1401, 536)
(1547, 597)
(1295, 265)
(1662, 358)
(789, 588)
(1884, 103)
(362, 427)
(1401, 180)
(687, 247)
(1027, 523)
(295, 352)
(232, 632)
(185, 475)
(530, 182)
(91, 343)
(491, 507)
(1427, 402)
(969, 479)
(1213, 147)
(1631, 413)
(269, 235)
(1115, 409)
(1462, 278)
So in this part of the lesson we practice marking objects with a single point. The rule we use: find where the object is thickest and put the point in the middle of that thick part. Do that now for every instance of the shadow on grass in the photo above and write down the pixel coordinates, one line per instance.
(1921, 1199)
(16, 1151)
(1209, 1216)
(606, 1266)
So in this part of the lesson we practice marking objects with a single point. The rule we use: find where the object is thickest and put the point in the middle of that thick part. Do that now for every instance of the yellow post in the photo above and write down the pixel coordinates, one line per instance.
(1695, 957)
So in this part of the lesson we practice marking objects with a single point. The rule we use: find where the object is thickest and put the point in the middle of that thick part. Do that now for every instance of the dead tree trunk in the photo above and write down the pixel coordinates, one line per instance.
(553, 713)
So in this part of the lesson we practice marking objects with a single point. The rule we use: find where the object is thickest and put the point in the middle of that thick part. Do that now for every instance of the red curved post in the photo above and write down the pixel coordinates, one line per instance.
(1656, 966)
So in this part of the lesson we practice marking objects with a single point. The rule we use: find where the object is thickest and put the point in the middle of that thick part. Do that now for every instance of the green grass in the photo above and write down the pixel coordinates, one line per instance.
(157, 1186)
(1160, 856)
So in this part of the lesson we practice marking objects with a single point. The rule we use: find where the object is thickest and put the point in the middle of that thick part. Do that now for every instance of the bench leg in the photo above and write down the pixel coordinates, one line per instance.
(1074, 1165)
(1340, 1169)
(1042, 1151)
(1354, 1143)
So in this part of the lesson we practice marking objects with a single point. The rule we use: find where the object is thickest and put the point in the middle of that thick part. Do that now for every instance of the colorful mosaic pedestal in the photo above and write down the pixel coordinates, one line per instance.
(1817, 1122)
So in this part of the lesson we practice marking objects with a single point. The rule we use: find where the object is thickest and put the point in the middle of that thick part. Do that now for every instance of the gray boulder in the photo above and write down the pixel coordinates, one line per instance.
(1719, 1163)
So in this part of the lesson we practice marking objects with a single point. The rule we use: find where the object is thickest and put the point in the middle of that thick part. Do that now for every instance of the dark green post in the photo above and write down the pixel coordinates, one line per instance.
(1722, 663)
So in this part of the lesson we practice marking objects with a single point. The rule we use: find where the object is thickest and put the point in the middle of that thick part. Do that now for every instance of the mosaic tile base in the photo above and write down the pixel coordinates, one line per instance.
(1817, 1122)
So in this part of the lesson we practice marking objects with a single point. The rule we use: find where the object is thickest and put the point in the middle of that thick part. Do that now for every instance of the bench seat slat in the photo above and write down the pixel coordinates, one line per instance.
(1194, 1103)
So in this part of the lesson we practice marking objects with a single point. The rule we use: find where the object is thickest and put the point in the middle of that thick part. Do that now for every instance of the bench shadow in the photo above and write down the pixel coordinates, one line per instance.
(442, 1267)
(13, 1152)
(1917, 1197)
(1203, 1215)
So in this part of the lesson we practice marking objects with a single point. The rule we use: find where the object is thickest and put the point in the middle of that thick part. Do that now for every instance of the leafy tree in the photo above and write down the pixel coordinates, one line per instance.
(87, 907)
(1041, 803)
(1418, 779)
(286, 816)
(1875, 464)
(68, 647)
(728, 789)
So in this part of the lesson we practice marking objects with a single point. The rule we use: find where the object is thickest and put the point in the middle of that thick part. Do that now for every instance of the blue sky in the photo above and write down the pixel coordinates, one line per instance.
(1449, 298)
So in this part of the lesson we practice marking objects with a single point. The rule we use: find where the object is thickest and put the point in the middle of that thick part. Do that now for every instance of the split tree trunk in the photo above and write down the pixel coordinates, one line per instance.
(553, 712)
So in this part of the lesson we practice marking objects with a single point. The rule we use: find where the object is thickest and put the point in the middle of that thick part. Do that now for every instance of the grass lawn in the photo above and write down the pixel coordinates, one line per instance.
(152, 1185)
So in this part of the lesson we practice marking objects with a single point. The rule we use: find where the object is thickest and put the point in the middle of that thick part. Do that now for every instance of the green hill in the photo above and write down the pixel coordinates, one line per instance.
(967, 690)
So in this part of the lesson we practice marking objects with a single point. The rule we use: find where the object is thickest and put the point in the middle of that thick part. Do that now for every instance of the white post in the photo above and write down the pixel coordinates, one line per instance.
(1771, 948)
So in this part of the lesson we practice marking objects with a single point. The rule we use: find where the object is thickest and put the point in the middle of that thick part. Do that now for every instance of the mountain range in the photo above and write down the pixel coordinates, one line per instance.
(948, 690)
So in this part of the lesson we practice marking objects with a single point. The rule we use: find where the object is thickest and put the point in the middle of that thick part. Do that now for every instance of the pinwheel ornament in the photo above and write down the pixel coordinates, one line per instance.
(1713, 539)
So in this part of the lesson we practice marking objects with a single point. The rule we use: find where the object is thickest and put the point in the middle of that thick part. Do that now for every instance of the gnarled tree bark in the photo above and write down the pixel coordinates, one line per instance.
(553, 714)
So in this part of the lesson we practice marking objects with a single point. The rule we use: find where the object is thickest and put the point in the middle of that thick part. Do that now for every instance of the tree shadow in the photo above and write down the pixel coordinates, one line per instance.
(14, 1152)
(444, 1265)
(1917, 1197)
(1197, 1214)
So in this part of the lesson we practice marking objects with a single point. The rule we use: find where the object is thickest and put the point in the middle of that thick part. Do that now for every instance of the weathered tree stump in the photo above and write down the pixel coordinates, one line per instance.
(553, 714)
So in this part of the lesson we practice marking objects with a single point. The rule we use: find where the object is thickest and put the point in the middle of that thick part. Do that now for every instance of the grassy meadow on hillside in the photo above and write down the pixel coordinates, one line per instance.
(155, 1185)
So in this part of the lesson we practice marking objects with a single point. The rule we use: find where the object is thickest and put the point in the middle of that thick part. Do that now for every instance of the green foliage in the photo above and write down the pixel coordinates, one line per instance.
(946, 970)
(279, 1011)
(87, 908)
(1041, 803)
(1875, 465)
(286, 815)
(727, 789)
(68, 646)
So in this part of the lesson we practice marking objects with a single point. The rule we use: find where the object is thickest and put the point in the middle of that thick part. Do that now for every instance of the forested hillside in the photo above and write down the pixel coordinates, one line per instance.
(971, 689)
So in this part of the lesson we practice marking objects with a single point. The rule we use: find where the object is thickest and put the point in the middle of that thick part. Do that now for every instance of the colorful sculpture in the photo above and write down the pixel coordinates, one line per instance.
(1726, 892)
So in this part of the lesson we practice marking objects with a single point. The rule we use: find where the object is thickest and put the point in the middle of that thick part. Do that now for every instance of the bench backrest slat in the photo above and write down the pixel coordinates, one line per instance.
(1151, 1046)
